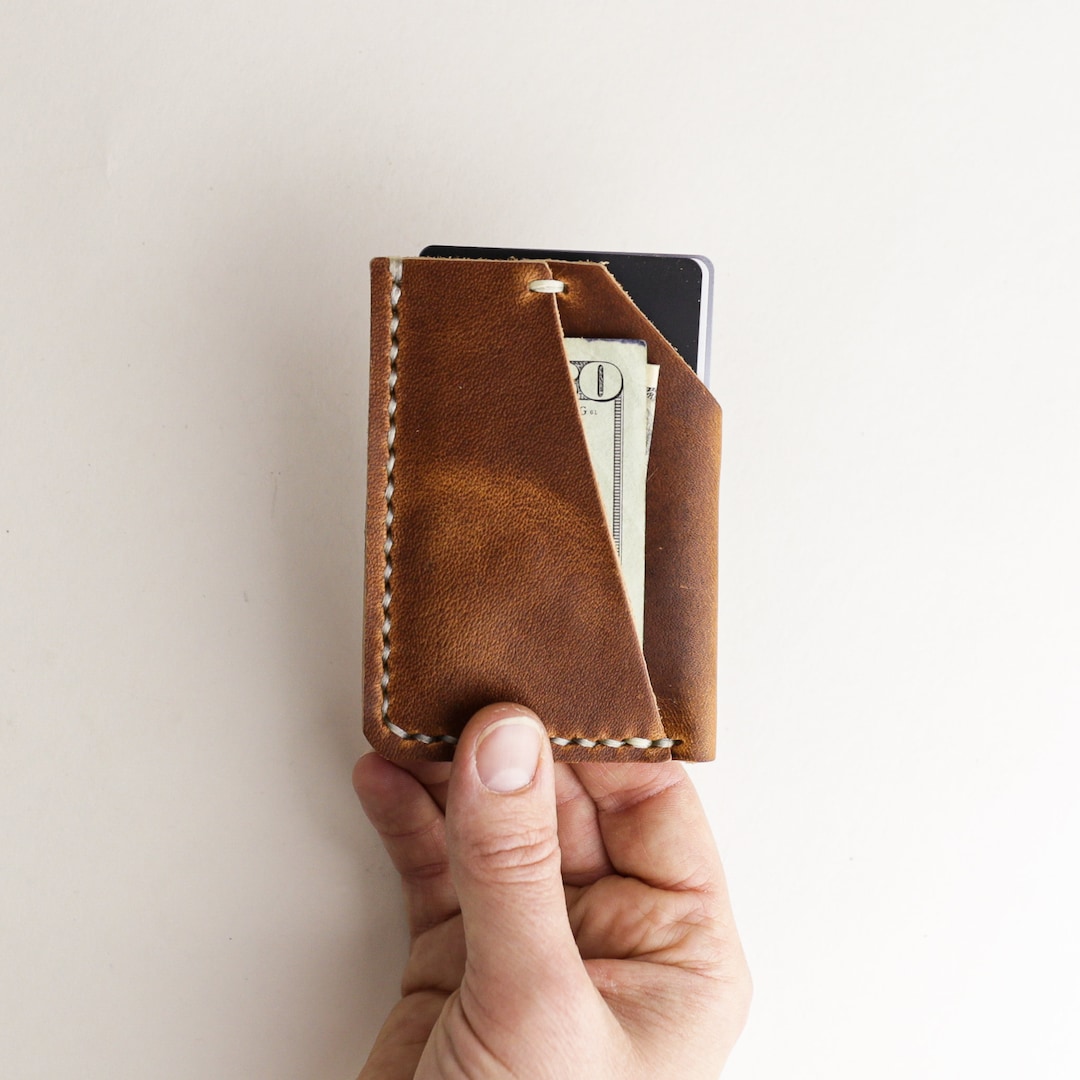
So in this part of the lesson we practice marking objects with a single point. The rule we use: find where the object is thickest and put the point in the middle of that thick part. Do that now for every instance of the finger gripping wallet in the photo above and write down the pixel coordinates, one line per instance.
(490, 571)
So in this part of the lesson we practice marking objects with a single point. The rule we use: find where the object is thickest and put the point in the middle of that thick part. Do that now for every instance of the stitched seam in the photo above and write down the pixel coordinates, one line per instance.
(391, 436)
(555, 740)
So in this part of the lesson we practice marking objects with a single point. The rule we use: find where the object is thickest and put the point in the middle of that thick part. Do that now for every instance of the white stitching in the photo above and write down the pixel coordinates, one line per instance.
(391, 435)
(555, 740)
(547, 285)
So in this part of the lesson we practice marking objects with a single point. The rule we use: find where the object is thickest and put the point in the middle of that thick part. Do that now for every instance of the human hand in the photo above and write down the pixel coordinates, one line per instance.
(568, 923)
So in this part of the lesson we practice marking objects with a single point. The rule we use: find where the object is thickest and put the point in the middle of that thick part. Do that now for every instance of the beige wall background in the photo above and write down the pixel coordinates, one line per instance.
(189, 196)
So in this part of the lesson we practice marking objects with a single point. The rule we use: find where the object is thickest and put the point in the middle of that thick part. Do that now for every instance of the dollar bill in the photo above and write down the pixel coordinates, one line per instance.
(611, 380)
(652, 378)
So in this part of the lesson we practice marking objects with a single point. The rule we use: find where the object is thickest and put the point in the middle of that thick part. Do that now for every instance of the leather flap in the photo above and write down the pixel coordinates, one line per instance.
(682, 515)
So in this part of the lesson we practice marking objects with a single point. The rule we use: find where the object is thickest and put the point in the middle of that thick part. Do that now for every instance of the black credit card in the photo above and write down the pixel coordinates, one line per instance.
(674, 292)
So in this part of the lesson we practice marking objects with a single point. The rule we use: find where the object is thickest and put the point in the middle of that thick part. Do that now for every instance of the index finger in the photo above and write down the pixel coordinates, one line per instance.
(654, 826)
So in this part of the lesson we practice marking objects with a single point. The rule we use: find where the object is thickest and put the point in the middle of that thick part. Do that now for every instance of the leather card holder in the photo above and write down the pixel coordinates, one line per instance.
(490, 573)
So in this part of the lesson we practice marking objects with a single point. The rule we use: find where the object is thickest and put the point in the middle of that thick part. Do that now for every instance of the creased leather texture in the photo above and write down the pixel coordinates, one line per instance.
(490, 571)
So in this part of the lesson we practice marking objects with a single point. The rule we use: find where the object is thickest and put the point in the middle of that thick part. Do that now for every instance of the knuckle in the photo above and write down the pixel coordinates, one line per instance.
(410, 833)
(425, 873)
(730, 974)
(644, 789)
(521, 854)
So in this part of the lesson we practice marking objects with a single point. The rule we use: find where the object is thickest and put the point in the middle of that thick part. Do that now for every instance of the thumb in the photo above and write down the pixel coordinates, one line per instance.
(503, 844)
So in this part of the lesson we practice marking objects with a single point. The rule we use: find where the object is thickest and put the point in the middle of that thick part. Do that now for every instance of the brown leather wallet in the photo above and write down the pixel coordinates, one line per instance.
(491, 574)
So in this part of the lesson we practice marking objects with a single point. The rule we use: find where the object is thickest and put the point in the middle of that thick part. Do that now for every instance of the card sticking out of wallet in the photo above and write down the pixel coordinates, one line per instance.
(674, 292)
(492, 562)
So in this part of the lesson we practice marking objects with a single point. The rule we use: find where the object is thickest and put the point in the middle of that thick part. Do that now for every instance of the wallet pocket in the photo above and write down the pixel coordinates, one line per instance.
(490, 571)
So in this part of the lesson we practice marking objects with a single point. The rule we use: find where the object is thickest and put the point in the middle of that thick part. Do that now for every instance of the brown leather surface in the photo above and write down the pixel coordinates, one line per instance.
(503, 580)
(682, 514)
